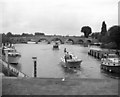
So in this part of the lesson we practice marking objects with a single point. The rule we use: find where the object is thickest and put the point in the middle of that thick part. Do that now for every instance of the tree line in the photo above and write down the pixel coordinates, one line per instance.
(9, 34)
(6, 38)
(109, 38)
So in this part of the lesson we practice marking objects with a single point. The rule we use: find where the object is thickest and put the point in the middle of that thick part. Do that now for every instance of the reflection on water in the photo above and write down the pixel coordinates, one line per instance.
(49, 61)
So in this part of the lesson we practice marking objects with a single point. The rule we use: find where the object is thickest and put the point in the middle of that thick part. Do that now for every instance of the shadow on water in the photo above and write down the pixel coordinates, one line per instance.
(111, 75)
(70, 73)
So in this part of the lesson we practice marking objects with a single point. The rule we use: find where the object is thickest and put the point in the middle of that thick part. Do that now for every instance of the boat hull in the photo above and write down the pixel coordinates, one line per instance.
(113, 69)
(72, 64)
(55, 47)
(31, 42)
(13, 60)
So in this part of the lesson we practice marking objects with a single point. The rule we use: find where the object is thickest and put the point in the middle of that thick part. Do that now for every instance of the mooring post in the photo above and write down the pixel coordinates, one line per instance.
(35, 66)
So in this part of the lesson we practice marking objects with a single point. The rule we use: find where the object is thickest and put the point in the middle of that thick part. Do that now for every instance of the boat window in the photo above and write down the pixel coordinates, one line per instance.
(113, 56)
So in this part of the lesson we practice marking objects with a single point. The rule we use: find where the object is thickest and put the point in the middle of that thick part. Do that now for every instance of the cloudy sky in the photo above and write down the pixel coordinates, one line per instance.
(63, 17)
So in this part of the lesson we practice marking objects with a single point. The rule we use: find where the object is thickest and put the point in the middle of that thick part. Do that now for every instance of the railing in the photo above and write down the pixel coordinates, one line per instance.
(16, 72)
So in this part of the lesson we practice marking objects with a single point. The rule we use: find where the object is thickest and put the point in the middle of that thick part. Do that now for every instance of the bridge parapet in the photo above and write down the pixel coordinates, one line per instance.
(62, 39)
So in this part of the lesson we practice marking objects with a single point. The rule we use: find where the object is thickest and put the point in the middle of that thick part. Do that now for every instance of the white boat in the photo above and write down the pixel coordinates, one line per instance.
(56, 46)
(12, 56)
(111, 63)
(31, 42)
(71, 63)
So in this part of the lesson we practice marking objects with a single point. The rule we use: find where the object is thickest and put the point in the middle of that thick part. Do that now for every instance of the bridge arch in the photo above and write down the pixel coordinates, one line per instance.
(80, 41)
(57, 39)
(69, 40)
(43, 39)
(89, 41)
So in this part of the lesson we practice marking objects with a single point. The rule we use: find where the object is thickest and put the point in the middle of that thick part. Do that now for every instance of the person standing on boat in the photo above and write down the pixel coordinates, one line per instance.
(65, 50)
(67, 56)
(117, 53)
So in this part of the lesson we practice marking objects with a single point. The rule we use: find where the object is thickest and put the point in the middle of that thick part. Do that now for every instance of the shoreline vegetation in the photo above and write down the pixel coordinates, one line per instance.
(109, 39)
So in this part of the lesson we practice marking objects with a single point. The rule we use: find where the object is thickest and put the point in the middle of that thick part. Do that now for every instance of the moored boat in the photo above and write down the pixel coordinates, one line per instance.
(31, 42)
(111, 63)
(12, 55)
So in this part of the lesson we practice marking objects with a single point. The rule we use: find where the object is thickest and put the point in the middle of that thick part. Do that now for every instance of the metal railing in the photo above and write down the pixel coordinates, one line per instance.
(16, 72)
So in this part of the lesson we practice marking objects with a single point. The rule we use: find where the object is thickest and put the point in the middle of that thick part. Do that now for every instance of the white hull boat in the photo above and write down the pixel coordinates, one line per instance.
(71, 63)
(11, 55)
(31, 42)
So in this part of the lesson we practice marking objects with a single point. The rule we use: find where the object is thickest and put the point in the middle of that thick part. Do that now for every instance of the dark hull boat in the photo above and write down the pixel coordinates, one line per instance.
(112, 69)
(55, 47)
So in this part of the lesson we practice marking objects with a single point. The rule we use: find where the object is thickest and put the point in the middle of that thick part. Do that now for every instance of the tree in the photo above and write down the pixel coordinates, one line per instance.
(4, 38)
(95, 35)
(114, 34)
(9, 34)
(24, 34)
(86, 30)
(103, 29)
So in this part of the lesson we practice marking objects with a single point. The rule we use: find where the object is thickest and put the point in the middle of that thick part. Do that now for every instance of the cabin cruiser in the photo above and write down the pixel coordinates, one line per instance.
(55, 46)
(111, 63)
(72, 62)
(11, 55)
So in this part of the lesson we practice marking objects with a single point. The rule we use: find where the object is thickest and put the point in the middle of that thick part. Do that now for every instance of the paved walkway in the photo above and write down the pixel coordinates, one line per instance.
(51, 86)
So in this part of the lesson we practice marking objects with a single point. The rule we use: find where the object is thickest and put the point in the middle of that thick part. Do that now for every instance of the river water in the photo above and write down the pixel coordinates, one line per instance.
(49, 61)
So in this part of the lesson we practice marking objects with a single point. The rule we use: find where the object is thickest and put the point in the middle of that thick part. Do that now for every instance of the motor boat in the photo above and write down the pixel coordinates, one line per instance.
(111, 63)
(11, 55)
(71, 63)
(56, 46)
(31, 42)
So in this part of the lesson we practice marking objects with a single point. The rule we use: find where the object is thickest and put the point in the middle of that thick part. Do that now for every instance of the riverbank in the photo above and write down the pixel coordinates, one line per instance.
(51, 86)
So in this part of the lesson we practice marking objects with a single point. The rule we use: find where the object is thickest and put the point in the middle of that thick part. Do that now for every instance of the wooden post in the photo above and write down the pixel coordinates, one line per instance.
(35, 66)
(35, 69)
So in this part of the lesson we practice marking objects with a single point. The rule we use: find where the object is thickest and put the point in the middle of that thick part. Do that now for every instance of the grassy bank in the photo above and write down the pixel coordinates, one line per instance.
(51, 86)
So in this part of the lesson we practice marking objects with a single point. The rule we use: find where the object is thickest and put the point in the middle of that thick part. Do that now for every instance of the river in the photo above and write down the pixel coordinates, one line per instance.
(49, 61)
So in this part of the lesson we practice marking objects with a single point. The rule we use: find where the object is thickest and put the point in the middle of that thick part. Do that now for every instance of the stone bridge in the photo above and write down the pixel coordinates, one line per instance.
(49, 39)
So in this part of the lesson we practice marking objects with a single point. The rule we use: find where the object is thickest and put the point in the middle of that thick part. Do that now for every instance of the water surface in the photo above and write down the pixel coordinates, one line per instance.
(49, 61)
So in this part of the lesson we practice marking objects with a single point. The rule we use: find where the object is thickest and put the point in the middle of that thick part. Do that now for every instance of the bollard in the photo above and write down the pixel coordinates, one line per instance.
(35, 66)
